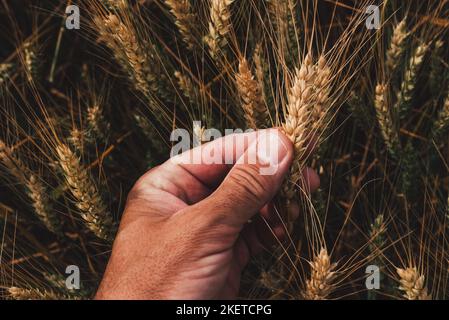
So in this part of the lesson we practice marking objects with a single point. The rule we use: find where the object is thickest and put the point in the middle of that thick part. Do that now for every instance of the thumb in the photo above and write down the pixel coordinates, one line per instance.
(254, 180)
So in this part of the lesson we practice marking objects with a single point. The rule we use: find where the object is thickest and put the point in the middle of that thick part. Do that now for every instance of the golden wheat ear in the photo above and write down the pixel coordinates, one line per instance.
(321, 282)
(412, 283)
(85, 193)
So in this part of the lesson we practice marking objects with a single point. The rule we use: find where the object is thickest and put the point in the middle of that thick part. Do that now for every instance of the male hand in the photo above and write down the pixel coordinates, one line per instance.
(189, 230)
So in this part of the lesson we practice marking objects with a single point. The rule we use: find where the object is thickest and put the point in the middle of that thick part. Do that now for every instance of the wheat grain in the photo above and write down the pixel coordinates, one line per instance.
(397, 46)
(320, 284)
(255, 111)
(413, 284)
(405, 95)
(87, 198)
(185, 20)
(384, 119)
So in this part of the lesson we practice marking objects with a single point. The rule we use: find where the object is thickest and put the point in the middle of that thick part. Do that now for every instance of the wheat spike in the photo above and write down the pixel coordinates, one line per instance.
(299, 107)
(185, 20)
(322, 91)
(249, 90)
(122, 41)
(93, 211)
(31, 61)
(442, 123)
(34, 294)
(187, 87)
(320, 284)
(387, 127)
(405, 95)
(413, 284)
(259, 67)
(36, 191)
(219, 26)
(97, 124)
(5, 72)
(397, 46)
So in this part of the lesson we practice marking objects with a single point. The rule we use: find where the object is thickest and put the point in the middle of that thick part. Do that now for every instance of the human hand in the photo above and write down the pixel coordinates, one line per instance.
(185, 232)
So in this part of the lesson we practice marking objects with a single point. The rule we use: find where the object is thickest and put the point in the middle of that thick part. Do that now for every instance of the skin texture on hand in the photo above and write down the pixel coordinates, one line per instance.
(185, 232)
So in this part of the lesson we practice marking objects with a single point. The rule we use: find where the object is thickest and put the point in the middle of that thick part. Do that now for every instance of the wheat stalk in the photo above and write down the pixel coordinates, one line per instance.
(219, 26)
(255, 111)
(384, 119)
(413, 284)
(185, 20)
(397, 46)
(36, 191)
(320, 284)
(405, 95)
(93, 211)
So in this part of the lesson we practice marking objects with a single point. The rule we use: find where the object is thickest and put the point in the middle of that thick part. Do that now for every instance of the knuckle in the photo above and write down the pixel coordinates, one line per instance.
(249, 184)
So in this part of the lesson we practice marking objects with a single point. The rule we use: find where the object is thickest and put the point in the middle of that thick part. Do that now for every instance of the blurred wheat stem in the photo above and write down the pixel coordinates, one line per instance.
(87, 198)
(185, 20)
(320, 284)
(255, 111)
(36, 191)
(413, 284)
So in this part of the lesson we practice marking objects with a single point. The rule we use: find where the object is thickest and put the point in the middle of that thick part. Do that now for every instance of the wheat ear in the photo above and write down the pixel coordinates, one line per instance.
(219, 26)
(87, 198)
(34, 294)
(122, 41)
(96, 122)
(413, 284)
(320, 284)
(36, 191)
(5, 72)
(442, 123)
(31, 61)
(385, 121)
(187, 86)
(397, 46)
(405, 95)
(249, 91)
(185, 20)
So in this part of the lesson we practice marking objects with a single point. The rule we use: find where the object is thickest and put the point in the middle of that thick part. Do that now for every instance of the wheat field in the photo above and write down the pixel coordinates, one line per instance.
(85, 112)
